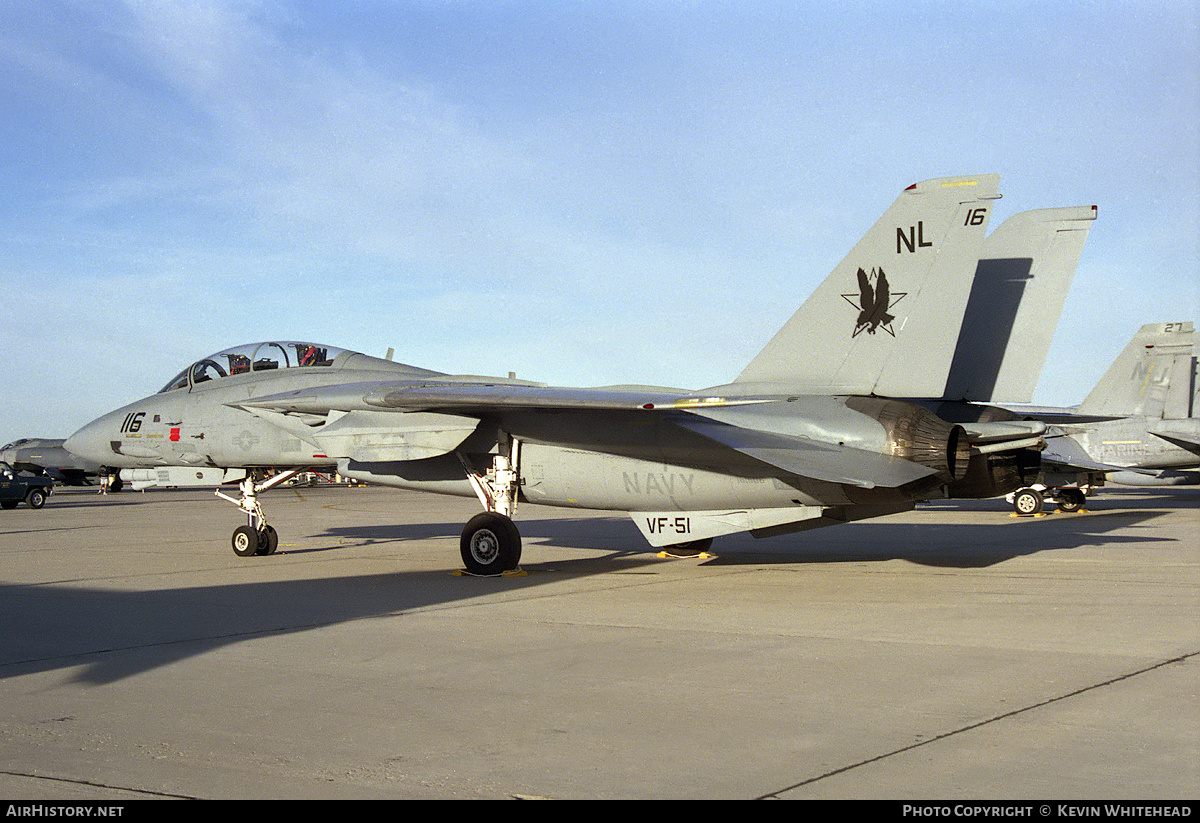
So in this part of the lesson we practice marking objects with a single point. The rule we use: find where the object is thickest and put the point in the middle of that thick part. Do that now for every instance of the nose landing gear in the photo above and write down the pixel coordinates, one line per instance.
(257, 537)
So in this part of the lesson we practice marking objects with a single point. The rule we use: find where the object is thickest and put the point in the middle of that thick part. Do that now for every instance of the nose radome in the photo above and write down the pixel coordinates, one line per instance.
(89, 443)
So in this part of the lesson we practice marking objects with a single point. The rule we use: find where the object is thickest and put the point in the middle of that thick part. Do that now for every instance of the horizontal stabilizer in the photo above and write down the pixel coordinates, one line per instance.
(1183, 439)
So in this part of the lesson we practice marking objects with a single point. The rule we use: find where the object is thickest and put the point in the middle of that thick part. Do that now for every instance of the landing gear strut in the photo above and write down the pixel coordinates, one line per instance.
(257, 537)
(490, 543)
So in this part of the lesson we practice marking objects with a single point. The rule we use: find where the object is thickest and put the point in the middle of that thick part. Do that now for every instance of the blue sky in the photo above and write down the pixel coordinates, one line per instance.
(581, 192)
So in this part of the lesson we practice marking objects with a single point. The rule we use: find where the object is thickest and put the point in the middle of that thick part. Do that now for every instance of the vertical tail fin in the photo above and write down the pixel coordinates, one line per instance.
(1020, 286)
(886, 319)
(1154, 376)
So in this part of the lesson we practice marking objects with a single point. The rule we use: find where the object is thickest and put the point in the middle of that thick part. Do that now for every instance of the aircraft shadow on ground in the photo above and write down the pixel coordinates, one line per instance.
(110, 635)
(106, 635)
(1104, 499)
(943, 546)
(931, 543)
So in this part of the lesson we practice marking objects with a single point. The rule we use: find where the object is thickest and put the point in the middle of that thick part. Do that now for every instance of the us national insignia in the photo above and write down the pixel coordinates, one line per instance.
(874, 298)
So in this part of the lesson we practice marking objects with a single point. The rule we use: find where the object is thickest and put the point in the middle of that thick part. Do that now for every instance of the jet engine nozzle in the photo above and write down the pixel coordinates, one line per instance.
(918, 435)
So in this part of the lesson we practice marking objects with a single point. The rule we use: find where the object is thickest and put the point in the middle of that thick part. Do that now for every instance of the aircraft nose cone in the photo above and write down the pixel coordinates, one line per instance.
(89, 443)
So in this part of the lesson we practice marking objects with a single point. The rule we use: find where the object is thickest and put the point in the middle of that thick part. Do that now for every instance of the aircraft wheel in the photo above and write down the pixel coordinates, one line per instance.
(245, 541)
(268, 540)
(36, 498)
(1071, 500)
(689, 549)
(1027, 502)
(490, 544)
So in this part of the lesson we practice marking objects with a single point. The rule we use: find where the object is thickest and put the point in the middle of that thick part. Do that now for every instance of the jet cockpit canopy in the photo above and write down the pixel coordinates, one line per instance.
(253, 357)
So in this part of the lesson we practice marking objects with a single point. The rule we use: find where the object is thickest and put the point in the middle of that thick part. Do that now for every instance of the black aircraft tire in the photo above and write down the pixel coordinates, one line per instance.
(268, 541)
(1071, 500)
(245, 541)
(490, 544)
(1027, 502)
(689, 549)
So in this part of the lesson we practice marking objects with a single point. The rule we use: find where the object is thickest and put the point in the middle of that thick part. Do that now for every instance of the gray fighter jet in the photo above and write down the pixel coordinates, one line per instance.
(45, 456)
(810, 433)
(1137, 427)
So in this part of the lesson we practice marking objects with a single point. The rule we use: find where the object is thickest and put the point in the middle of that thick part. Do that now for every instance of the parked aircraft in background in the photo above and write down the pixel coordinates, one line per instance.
(44, 456)
(814, 431)
(1138, 426)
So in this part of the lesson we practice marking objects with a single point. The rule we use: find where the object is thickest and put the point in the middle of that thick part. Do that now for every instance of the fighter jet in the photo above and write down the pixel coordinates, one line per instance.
(1137, 427)
(810, 433)
(40, 455)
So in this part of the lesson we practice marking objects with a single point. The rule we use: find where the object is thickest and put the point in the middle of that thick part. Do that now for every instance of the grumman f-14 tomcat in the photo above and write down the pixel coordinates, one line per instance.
(1137, 427)
(41, 455)
(815, 430)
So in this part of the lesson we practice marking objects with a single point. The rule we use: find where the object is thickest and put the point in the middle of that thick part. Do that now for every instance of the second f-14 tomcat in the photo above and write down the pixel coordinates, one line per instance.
(814, 431)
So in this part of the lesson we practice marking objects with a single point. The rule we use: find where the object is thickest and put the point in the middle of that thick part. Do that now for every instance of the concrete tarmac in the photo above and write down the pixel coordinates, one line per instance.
(953, 652)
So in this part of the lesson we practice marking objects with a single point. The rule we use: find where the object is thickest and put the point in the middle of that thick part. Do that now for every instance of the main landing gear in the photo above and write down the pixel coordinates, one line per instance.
(1029, 502)
(257, 537)
(490, 544)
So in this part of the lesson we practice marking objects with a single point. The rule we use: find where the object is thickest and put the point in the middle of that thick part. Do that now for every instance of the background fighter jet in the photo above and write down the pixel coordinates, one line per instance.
(44, 456)
(805, 436)
(1138, 426)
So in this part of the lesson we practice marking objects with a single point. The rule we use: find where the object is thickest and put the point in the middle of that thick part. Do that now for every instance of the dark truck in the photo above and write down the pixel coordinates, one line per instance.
(16, 486)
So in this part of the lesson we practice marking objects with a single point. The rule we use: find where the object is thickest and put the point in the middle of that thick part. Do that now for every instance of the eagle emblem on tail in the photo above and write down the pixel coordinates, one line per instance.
(874, 298)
